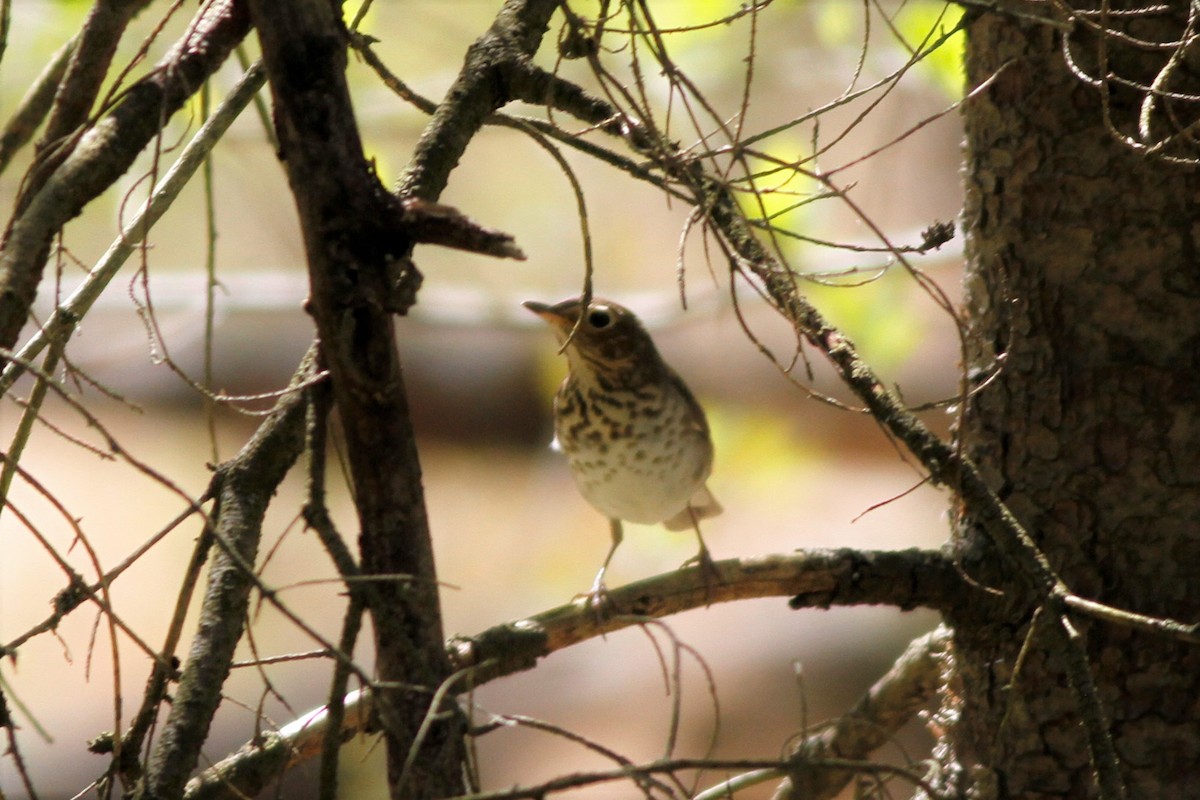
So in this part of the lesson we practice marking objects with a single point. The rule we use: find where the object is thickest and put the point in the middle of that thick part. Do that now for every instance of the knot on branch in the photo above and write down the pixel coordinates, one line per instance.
(503, 649)
(403, 279)
(71, 596)
(936, 235)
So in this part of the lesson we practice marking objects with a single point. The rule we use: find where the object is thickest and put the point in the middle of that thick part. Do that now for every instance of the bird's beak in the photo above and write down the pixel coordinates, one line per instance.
(549, 314)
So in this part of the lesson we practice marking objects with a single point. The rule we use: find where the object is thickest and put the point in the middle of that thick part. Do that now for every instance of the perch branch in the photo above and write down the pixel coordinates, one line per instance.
(819, 578)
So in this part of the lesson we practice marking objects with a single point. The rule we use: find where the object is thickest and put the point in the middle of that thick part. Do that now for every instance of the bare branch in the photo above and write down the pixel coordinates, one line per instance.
(248, 483)
(91, 57)
(890, 703)
(813, 579)
(67, 315)
(34, 105)
(434, 223)
(106, 151)
(481, 88)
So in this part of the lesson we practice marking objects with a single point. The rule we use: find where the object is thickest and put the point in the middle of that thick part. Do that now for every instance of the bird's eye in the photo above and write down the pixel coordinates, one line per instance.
(599, 318)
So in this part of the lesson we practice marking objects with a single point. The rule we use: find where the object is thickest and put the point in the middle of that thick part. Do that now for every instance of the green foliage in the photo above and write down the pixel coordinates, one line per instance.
(877, 315)
(783, 195)
(924, 23)
(761, 447)
(924, 27)
(835, 25)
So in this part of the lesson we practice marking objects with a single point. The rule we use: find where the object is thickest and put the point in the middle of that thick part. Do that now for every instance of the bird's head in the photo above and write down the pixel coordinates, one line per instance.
(604, 339)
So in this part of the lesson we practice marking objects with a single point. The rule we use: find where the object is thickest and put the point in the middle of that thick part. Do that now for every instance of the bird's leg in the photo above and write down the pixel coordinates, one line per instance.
(598, 595)
(702, 559)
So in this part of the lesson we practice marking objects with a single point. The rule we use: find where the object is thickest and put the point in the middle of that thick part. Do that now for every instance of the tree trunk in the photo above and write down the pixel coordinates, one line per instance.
(356, 241)
(1083, 278)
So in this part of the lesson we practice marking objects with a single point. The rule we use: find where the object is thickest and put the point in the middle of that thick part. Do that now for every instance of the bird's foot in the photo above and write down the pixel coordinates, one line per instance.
(708, 570)
(597, 599)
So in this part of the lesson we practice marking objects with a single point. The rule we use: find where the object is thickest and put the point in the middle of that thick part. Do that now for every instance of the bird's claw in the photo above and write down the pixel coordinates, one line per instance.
(709, 571)
(597, 599)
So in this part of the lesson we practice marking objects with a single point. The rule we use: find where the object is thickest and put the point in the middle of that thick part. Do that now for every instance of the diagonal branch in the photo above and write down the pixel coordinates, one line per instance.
(34, 106)
(247, 484)
(90, 59)
(106, 151)
(482, 87)
(891, 702)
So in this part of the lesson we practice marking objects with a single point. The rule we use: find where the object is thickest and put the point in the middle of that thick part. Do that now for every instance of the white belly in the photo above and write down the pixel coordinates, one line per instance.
(649, 471)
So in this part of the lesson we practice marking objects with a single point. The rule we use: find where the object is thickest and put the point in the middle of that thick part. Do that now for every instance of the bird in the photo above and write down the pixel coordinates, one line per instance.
(636, 441)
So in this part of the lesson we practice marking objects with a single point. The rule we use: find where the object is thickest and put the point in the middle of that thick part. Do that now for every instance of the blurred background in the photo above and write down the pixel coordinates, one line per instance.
(512, 536)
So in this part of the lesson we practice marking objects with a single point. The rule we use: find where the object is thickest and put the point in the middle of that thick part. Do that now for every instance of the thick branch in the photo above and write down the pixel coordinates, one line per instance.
(357, 249)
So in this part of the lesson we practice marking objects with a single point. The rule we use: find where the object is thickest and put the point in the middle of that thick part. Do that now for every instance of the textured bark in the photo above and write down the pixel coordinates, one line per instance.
(357, 249)
(1083, 276)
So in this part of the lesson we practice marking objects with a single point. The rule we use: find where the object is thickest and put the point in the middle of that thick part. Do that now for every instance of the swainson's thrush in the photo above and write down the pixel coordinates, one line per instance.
(635, 438)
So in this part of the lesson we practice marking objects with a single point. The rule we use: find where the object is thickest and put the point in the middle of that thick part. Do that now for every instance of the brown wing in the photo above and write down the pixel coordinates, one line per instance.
(697, 415)
(702, 504)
